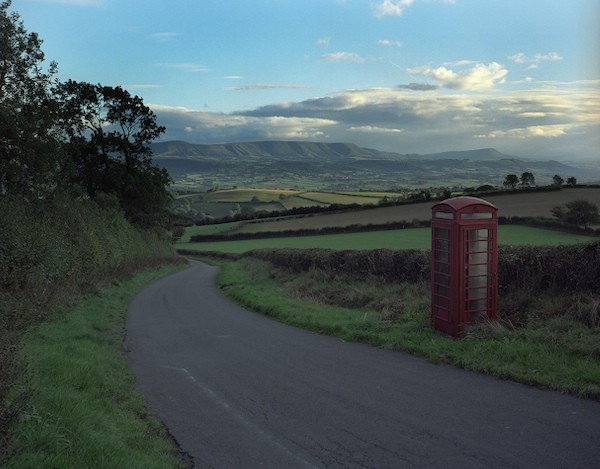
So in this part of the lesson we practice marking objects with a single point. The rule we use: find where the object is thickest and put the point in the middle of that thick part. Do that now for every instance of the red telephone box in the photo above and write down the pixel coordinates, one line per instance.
(464, 264)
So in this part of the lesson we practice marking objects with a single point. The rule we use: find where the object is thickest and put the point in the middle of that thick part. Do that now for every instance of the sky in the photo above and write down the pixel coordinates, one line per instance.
(409, 76)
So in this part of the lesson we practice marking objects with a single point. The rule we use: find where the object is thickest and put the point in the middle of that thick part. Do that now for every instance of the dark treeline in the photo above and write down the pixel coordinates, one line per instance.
(87, 140)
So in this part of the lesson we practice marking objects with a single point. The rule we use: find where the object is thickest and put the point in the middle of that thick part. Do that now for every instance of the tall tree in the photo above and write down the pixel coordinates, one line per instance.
(28, 148)
(572, 181)
(511, 181)
(578, 212)
(557, 181)
(527, 179)
(109, 132)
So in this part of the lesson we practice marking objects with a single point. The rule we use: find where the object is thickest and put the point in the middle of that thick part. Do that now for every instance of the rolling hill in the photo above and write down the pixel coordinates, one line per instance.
(343, 166)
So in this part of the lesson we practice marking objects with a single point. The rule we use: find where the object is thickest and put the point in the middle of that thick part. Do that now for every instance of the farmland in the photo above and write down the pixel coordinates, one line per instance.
(414, 238)
(531, 204)
(224, 202)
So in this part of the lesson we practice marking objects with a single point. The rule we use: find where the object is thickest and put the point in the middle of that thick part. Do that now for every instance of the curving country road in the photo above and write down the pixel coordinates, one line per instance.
(238, 390)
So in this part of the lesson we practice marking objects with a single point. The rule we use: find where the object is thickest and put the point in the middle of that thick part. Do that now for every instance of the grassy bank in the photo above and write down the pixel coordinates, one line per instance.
(550, 347)
(80, 406)
(54, 252)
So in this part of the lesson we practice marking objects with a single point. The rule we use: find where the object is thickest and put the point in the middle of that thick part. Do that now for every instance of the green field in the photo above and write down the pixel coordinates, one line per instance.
(413, 238)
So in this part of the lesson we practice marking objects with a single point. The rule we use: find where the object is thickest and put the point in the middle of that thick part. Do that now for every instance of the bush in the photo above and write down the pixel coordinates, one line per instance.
(573, 268)
(48, 246)
(52, 252)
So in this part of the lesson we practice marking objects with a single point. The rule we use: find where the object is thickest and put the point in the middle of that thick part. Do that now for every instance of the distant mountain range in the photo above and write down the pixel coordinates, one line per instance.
(342, 166)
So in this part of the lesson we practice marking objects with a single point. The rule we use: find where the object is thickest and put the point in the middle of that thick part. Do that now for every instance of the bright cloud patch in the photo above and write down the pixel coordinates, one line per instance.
(389, 43)
(391, 7)
(338, 57)
(480, 77)
(536, 60)
(546, 131)
(373, 129)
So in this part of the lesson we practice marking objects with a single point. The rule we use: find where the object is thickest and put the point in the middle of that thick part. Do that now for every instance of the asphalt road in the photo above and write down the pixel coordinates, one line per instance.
(238, 390)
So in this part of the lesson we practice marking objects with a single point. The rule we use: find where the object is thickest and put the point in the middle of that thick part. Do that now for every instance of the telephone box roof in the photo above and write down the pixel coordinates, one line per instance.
(458, 204)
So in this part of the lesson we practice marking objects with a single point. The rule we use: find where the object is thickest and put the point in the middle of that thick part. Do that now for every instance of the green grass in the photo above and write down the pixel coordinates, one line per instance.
(208, 230)
(413, 238)
(81, 406)
(559, 353)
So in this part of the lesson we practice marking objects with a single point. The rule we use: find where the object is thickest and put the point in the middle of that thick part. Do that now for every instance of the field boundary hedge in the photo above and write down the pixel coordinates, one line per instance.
(574, 268)
(403, 224)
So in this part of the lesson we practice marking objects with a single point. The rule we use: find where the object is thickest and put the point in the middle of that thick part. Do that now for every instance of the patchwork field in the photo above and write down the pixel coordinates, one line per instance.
(221, 203)
(531, 204)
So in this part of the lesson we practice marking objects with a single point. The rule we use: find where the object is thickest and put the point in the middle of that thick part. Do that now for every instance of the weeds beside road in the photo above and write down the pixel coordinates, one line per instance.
(81, 408)
(548, 348)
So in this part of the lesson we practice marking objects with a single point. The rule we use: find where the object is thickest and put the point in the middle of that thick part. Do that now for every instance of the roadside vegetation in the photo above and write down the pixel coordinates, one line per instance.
(81, 207)
(78, 405)
(547, 335)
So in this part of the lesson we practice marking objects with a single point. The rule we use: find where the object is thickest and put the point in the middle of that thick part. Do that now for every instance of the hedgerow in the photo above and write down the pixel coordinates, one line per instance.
(574, 268)
(52, 251)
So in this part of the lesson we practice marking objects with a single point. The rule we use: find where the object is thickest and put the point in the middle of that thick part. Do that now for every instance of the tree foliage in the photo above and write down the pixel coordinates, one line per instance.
(527, 179)
(557, 181)
(108, 133)
(28, 150)
(577, 212)
(73, 135)
(511, 181)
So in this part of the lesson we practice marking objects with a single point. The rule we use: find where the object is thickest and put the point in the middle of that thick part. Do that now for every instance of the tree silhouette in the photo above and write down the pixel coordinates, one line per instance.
(578, 212)
(108, 133)
(557, 181)
(511, 181)
(527, 179)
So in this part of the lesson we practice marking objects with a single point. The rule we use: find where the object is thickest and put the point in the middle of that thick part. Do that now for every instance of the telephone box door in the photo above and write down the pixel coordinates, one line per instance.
(480, 273)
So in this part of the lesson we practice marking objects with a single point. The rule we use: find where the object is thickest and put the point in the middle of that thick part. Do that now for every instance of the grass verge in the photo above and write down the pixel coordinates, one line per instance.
(81, 406)
(548, 349)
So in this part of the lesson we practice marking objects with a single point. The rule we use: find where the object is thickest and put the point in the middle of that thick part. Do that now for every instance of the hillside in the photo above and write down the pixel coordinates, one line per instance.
(343, 166)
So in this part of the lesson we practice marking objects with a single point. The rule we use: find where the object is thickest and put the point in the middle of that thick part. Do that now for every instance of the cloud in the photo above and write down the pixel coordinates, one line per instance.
(206, 127)
(373, 129)
(536, 60)
(185, 67)
(390, 7)
(553, 122)
(164, 36)
(233, 77)
(264, 86)
(324, 41)
(419, 87)
(544, 131)
(340, 57)
(480, 77)
(389, 43)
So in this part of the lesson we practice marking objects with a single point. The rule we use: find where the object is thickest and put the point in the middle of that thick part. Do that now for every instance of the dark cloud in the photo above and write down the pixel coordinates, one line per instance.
(533, 123)
(418, 87)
